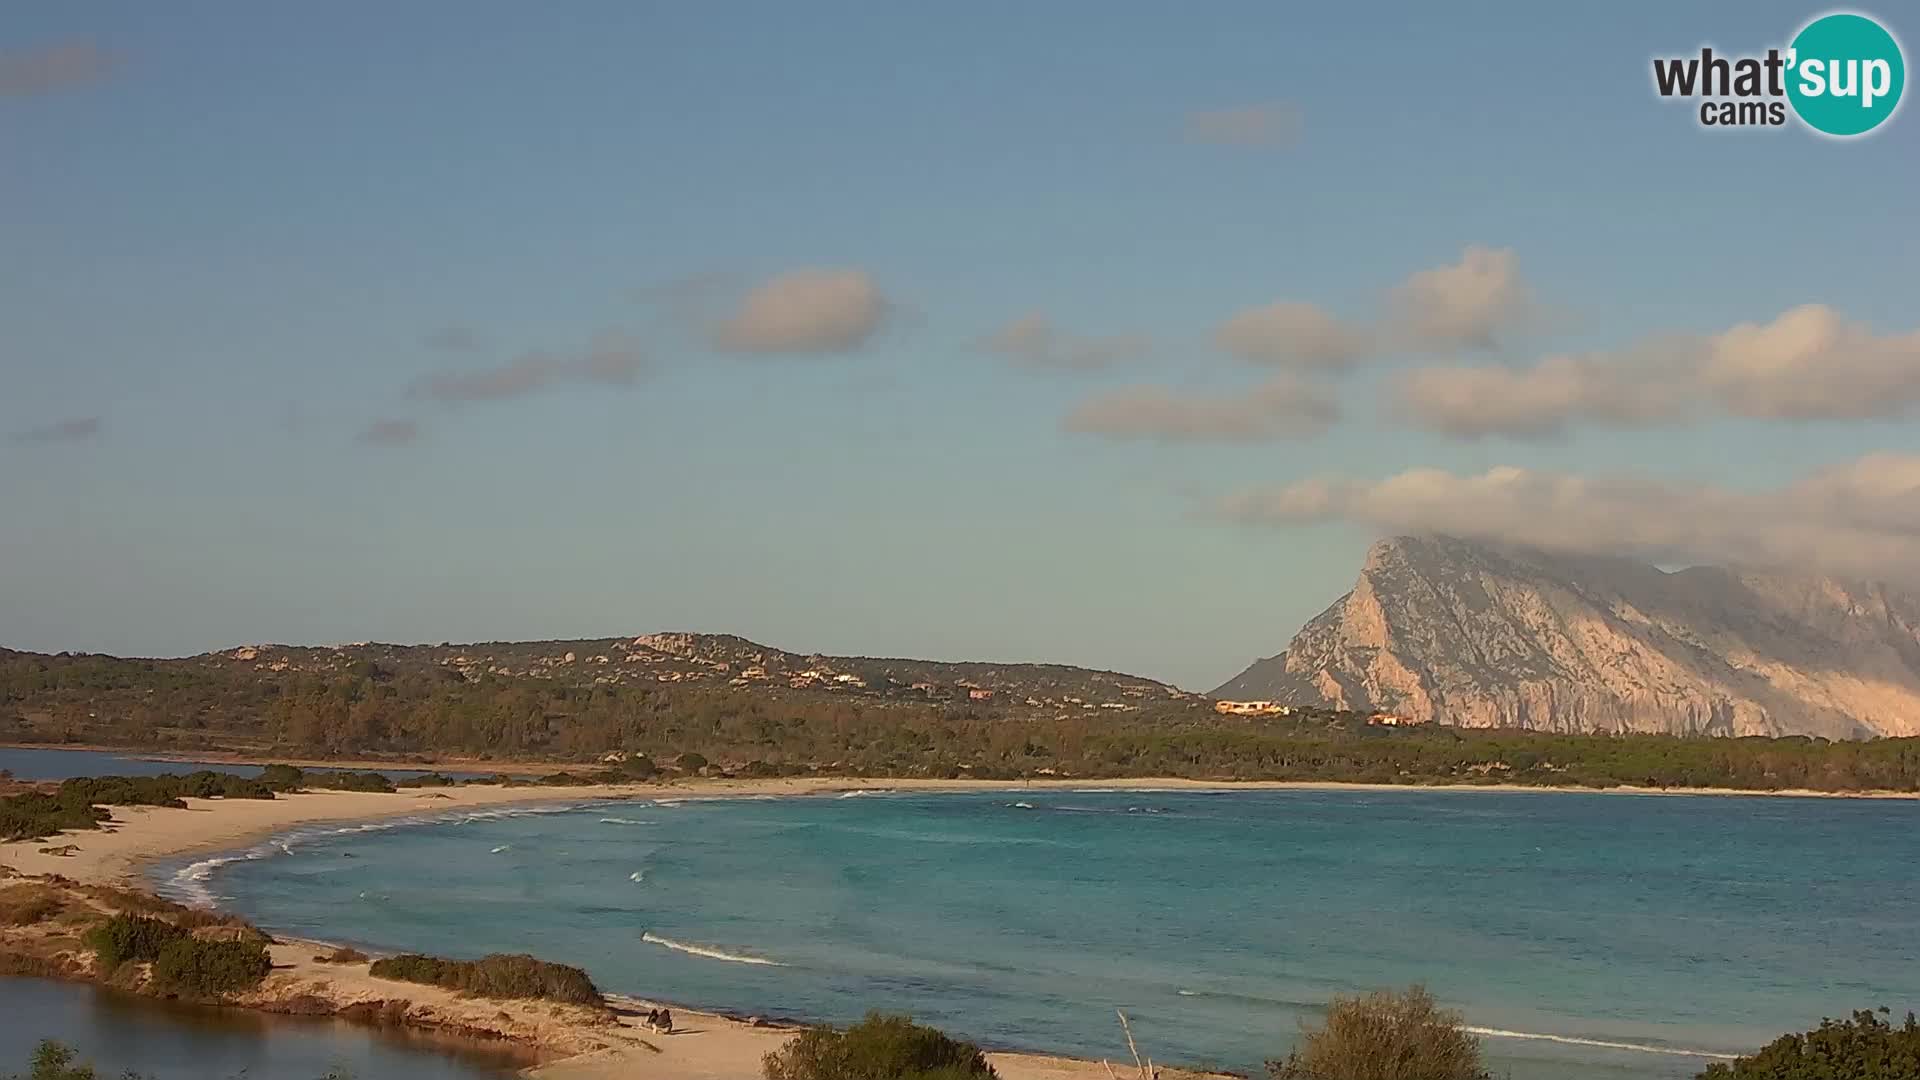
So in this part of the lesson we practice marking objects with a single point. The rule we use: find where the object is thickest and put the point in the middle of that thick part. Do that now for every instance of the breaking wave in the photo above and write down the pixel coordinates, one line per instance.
(709, 953)
(623, 821)
(1575, 1040)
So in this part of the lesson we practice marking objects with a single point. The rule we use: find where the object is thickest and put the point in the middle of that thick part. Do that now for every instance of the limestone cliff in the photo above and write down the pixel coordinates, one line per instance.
(1489, 636)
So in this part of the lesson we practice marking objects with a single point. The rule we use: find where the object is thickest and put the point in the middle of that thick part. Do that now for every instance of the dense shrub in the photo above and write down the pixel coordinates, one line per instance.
(431, 779)
(211, 968)
(181, 961)
(350, 781)
(345, 954)
(500, 975)
(1385, 1036)
(1863, 1048)
(282, 777)
(131, 937)
(877, 1048)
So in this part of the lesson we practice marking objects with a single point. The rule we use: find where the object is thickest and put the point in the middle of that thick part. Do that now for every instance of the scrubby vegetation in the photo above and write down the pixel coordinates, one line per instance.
(181, 962)
(342, 955)
(1384, 1036)
(406, 704)
(1865, 1047)
(211, 968)
(878, 1048)
(500, 975)
(27, 903)
(57, 1061)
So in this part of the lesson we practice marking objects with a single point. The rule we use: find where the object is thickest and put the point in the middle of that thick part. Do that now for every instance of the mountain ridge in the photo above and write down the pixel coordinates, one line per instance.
(1490, 635)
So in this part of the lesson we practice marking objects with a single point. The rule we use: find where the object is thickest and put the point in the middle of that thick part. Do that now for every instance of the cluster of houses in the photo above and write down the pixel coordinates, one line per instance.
(1275, 708)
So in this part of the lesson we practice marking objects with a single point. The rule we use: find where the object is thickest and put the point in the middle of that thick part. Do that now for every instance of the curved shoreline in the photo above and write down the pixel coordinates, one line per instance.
(579, 1044)
(727, 1046)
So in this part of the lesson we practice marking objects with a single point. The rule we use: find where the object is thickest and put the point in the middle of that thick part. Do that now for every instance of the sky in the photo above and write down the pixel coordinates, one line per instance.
(1095, 333)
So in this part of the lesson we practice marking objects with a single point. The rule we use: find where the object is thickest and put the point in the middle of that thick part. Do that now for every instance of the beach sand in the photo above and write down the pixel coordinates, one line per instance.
(580, 1044)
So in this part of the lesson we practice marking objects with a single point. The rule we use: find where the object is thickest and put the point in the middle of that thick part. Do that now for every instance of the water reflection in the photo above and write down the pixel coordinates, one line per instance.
(169, 1041)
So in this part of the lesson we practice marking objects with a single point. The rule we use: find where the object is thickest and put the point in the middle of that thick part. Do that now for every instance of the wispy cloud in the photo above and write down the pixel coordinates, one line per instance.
(1276, 123)
(26, 72)
(1283, 407)
(72, 430)
(1293, 334)
(812, 310)
(612, 360)
(1861, 518)
(1033, 341)
(1808, 363)
(389, 432)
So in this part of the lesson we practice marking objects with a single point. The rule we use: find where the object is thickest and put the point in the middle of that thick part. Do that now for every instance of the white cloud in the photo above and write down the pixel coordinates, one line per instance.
(1283, 407)
(1812, 363)
(811, 310)
(1468, 304)
(1294, 334)
(1266, 124)
(1809, 363)
(1033, 341)
(610, 360)
(1858, 519)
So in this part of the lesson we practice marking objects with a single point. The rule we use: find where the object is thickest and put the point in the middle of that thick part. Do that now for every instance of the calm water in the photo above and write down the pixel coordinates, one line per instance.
(1218, 921)
(176, 1042)
(34, 763)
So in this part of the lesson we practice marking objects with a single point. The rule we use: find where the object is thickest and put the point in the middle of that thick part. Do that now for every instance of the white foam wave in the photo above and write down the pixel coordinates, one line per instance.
(1019, 806)
(501, 848)
(862, 793)
(1607, 1044)
(709, 953)
(637, 876)
(623, 821)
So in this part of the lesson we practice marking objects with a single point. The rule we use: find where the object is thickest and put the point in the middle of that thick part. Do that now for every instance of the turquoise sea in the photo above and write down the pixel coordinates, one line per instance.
(1586, 936)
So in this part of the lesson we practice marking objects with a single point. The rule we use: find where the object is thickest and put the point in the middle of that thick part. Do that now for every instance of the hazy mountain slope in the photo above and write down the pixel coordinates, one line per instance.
(1486, 636)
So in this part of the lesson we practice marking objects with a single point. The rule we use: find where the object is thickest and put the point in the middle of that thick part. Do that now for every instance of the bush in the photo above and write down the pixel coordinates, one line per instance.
(1863, 1048)
(424, 780)
(351, 781)
(211, 968)
(343, 955)
(282, 777)
(130, 937)
(877, 1048)
(1385, 1036)
(500, 975)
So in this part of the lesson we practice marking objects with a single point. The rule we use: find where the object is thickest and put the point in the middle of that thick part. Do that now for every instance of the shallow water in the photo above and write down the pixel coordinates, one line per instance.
(116, 1032)
(1558, 923)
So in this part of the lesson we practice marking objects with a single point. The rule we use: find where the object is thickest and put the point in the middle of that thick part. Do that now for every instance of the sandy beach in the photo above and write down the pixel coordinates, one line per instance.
(577, 1043)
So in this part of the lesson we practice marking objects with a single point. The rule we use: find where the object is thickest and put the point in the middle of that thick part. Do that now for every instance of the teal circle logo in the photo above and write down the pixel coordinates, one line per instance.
(1845, 74)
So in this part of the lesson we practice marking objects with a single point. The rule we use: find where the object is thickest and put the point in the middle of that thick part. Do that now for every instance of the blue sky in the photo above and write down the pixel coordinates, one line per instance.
(235, 237)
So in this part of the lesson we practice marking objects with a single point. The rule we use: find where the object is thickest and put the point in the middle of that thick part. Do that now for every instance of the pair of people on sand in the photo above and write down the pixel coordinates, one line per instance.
(660, 1020)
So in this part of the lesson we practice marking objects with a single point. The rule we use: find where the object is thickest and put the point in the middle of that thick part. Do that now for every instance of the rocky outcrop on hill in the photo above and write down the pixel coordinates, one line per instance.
(1480, 635)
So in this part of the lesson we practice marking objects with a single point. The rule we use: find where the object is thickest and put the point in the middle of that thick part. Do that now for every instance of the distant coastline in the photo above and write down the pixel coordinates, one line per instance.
(837, 784)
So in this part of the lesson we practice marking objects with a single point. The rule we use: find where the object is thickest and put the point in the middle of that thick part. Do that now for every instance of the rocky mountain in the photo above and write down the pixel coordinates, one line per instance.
(1480, 635)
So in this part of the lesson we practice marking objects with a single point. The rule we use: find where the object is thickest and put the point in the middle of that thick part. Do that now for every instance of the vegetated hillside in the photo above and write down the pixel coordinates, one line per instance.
(1480, 635)
(397, 704)
(566, 699)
